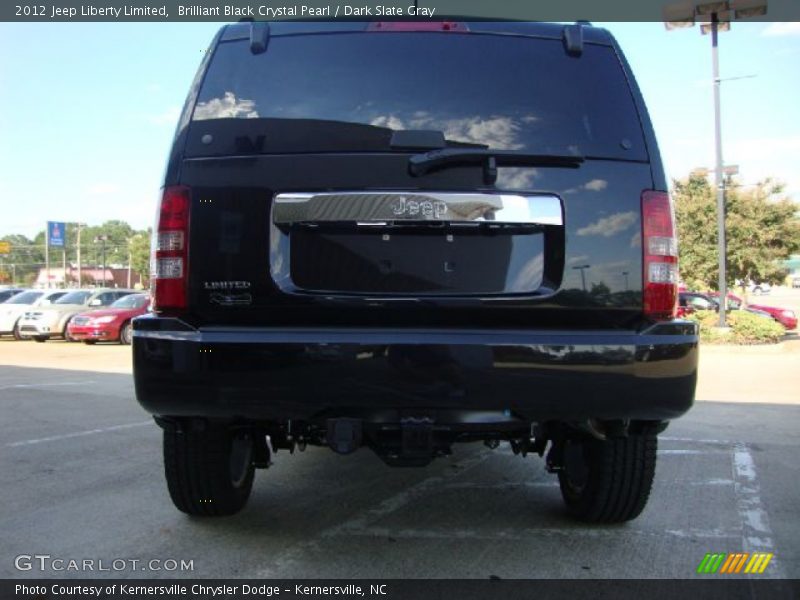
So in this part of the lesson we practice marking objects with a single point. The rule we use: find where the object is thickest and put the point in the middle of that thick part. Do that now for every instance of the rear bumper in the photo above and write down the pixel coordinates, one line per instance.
(312, 374)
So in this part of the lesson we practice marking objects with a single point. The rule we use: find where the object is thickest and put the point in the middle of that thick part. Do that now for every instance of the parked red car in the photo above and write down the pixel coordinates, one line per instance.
(784, 316)
(110, 324)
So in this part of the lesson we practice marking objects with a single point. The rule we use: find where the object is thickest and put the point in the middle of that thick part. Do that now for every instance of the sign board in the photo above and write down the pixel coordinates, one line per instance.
(56, 233)
(5, 247)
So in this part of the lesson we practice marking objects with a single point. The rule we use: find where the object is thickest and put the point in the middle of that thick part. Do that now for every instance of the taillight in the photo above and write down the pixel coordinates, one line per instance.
(170, 249)
(660, 251)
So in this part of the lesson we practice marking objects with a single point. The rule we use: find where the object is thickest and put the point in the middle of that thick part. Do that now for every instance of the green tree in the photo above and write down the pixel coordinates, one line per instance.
(140, 253)
(762, 228)
(26, 256)
(117, 233)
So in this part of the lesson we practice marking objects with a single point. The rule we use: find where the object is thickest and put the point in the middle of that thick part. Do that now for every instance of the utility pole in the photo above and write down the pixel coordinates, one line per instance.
(103, 239)
(80, 277)
(47, 254)
(582, 269)
(685, 14)
(718, 174)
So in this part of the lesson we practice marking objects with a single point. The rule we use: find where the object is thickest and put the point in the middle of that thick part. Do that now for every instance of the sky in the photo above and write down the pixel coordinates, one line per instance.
(87, 111)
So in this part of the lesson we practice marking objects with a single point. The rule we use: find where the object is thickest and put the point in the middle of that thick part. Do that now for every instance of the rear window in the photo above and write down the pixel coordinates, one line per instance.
(348, 91)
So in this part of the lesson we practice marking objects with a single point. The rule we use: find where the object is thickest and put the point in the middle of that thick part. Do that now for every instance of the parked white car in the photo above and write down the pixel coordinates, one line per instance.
(12, 309)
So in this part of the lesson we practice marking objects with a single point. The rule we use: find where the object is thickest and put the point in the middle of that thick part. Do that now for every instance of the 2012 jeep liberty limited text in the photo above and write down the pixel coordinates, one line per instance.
(407, 235)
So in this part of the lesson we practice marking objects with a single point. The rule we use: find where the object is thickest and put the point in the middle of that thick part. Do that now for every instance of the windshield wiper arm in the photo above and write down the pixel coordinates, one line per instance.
(420, 164)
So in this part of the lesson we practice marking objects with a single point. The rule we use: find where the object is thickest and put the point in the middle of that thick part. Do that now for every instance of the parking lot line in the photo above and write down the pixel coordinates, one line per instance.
(529, 533)
(756, 532)
(753, 532)
(669, 438)
(76, 434)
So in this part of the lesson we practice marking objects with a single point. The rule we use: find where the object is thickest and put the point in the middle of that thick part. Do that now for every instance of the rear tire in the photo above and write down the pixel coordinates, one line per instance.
(210, 472)
(17, 334)
(90, 342)
(40, 338)
(608, 481)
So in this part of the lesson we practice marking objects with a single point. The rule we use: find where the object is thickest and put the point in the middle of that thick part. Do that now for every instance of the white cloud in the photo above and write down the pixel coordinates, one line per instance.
(780, 29)
(227, 107)
(391, 122)
(515, 178)
(596, 185)
(495, 132)
(608, 226)
(577, 259)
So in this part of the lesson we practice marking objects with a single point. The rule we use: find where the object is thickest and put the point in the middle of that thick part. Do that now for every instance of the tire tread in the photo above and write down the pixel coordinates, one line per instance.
(196, 467)
(620, 480)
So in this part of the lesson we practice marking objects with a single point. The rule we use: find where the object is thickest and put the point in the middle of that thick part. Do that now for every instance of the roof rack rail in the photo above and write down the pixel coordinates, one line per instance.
(573, 39)
(259, 35)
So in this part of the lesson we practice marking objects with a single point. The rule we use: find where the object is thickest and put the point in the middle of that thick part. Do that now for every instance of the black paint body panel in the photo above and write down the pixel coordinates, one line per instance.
(578, 346)
(308, 374)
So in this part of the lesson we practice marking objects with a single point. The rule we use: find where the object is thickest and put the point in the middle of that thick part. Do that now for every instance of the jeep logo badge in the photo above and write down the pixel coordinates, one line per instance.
(430, 209)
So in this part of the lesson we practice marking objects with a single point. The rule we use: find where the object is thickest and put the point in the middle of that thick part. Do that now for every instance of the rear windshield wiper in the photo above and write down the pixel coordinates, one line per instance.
(420, 164)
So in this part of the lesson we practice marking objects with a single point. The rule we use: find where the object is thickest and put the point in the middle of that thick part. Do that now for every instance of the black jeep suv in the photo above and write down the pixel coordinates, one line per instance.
(406, 235)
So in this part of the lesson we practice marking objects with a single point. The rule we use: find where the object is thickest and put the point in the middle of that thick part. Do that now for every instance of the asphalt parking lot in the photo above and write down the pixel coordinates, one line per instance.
(81, 478)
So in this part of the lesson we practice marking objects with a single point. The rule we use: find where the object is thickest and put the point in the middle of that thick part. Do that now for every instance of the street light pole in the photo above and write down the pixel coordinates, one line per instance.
(582, 269)
(102, 238)
(685, 14)
(719, 179)
(80, 278)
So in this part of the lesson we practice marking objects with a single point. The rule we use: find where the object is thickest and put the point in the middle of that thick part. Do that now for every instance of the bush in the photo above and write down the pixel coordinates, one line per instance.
(745, 328)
